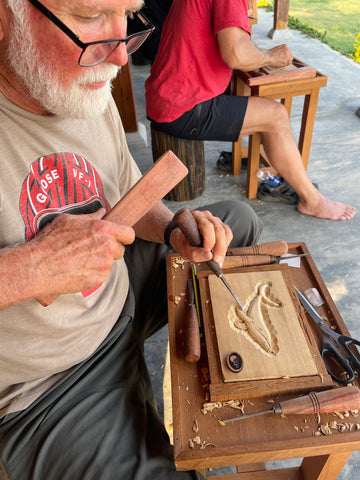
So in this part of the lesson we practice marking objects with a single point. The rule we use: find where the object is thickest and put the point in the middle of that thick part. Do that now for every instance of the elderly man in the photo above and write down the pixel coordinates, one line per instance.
(75, 397)
(202, 41)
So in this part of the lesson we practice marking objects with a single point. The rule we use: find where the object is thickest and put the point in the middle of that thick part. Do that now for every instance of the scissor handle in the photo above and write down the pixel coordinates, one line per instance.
(332, 351)
(345, 342)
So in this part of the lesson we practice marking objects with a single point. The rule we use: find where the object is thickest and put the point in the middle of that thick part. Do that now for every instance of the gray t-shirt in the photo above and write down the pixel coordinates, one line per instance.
(50, 165)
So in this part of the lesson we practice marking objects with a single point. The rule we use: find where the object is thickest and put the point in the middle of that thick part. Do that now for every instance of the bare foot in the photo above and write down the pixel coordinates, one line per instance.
(326, 208)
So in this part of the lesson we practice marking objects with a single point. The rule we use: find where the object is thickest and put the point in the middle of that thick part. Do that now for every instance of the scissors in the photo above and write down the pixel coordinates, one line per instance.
(334, 346)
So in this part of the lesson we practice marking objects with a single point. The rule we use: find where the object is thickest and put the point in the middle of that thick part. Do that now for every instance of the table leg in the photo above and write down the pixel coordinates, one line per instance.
(253, 165)
(307, 125)
(238, 152)
(324, 467)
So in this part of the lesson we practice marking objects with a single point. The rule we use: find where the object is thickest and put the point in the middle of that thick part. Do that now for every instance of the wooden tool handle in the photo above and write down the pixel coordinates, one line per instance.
(336, 400)
(192, 337)
(187, 224)
(162, 177)
(277, 248)
(248, 260)
(191, 330)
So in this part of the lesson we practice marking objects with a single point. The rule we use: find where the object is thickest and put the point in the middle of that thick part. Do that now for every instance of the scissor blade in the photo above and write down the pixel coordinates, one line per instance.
(309, 308)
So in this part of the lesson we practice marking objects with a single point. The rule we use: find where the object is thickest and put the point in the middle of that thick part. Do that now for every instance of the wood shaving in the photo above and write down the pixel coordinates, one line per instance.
(205, 445)
(195, 426)
(237, 404)
(210, 406)
(325, 429)
(340, 415)
(178, 262)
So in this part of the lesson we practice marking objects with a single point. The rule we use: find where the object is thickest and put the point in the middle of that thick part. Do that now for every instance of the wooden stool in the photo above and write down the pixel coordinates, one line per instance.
(303, 80)
(191, 153)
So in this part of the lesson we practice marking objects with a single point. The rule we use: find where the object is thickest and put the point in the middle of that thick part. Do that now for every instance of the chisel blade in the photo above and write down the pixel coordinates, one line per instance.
(238, 301)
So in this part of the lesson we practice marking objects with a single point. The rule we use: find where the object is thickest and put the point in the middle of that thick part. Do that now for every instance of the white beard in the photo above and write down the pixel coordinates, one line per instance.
(45, 82)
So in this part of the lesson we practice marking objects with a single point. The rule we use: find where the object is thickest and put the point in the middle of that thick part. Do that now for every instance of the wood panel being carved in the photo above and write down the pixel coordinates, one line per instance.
(254, 322)
(267, 334)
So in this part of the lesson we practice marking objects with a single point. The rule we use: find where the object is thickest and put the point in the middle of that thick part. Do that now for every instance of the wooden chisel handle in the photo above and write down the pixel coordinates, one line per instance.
(248, 260)
(187, 224)
(329, 401)
(277, 248)
(192, 347)
(162, 177)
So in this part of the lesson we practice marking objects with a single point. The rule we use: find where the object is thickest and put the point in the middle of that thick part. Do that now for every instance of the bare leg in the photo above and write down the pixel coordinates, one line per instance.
(270, 119)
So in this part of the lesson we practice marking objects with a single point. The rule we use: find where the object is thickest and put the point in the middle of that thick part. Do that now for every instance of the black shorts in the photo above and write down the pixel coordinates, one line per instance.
(220, 119)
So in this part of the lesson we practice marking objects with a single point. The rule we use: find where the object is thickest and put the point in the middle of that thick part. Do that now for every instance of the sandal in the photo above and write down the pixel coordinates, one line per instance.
(283, 193)
(224, 161)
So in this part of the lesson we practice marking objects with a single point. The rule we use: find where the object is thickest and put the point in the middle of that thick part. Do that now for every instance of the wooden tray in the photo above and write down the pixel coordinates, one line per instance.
(267, 75)
(258, 439)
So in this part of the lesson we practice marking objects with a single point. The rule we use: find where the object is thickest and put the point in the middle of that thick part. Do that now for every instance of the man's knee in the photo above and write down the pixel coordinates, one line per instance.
(265, 115)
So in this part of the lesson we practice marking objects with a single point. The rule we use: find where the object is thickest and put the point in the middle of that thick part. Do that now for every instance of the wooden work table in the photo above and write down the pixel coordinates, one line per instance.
(202, 442)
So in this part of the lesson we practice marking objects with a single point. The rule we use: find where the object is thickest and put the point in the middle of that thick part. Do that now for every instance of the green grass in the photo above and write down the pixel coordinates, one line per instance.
(335, 22)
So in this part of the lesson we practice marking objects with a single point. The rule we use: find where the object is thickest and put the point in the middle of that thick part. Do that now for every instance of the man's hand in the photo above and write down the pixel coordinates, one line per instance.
(216, 238)
(71, 254)
(76, 252)
(279, 56)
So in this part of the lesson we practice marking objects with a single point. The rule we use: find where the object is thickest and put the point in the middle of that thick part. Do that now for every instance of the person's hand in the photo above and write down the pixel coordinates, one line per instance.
(76, 252)
(280, 56)
(216, 239)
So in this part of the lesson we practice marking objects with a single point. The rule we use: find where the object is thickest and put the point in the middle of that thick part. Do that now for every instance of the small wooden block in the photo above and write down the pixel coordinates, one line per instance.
(267, 75)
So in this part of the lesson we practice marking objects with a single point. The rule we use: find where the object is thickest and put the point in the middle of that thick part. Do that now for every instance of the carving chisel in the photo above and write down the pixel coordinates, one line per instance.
(187, 224)
(329, 401)
(276, 248)
(257, 260)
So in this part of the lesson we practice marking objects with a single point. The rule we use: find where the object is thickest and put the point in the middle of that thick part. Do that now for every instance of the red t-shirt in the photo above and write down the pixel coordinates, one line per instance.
(188, 68)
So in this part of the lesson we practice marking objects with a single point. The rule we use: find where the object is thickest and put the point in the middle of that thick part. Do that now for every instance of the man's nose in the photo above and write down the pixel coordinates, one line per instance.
(119, 56)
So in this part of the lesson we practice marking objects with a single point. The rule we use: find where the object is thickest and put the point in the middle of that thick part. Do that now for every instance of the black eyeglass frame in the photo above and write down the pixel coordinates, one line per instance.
(56, 21)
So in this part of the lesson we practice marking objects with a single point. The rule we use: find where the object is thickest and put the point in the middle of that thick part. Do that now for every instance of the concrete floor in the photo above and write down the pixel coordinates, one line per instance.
(333, 165)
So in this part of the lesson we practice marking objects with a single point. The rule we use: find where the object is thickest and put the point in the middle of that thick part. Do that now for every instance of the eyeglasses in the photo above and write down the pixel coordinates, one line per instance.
(94, 53)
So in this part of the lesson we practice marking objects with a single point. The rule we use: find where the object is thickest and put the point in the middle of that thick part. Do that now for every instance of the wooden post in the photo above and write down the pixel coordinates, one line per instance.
(191, 153)
(123, 94)
(281, 14)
